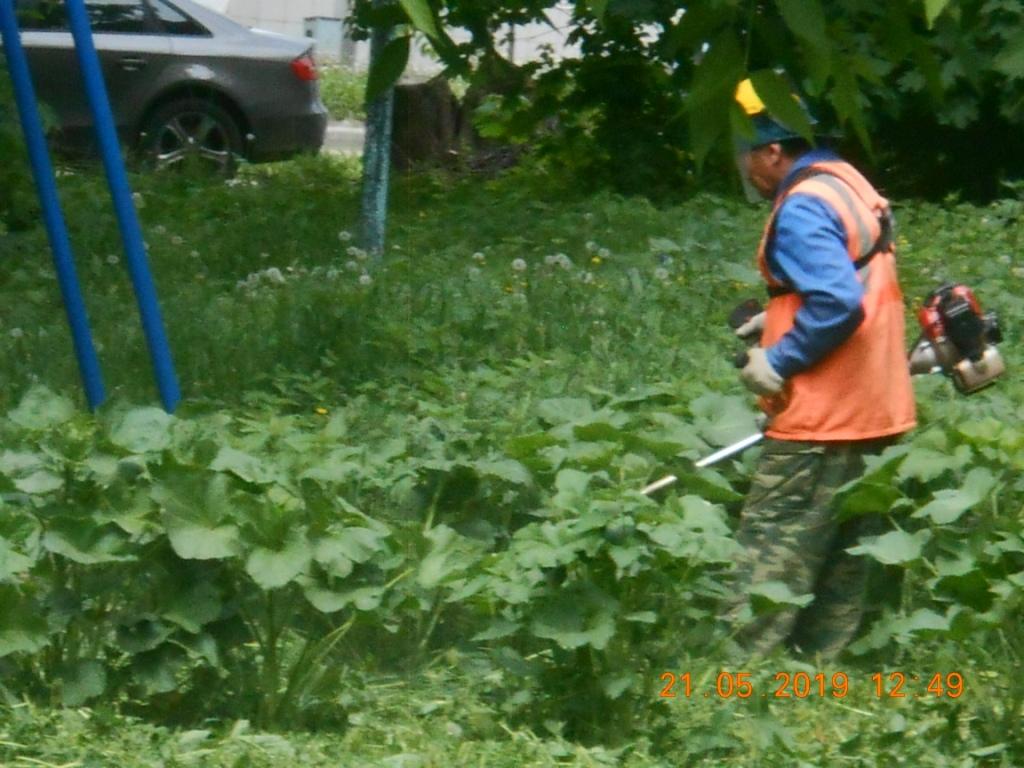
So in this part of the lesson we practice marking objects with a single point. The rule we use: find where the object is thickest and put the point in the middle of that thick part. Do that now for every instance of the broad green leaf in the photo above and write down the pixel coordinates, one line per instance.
(421, 16)
(925, 464)
(947, 506)
(616, 685)
(330, 601)
(197, 542)
(82, 541)
(354, 544)
(450, 555)
(142, 430)
(12, 563)
(498, 630)
(41, 408)
(599, 8)
(1010, 60)
(143, 635)
(710, 485)
(933, 9)
(780, 102)
(577, 620)
(194, 607)
(39, 483)
(563, 410)
(893, 548)
(273, 568)
(82, 681)
(716, 77)
(571, 486)
(776, 593)
(20, 463)
(157, 670)
(850, 103)
(23, 628)
(505, 469)
(723, 419)
(243, 465)
(806, 20)
(385, 71)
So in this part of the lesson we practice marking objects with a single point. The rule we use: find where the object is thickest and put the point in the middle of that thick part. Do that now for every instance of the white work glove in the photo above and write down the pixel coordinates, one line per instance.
(752, 329)
(758, 375)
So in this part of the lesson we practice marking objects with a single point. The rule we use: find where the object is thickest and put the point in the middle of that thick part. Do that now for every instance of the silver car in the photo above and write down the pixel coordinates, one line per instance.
(184, 81)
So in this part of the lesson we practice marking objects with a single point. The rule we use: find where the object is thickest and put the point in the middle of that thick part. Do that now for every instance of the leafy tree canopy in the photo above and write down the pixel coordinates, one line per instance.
(651, 89)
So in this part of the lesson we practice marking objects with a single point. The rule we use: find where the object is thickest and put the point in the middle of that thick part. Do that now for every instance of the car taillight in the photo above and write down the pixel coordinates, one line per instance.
(304, 67)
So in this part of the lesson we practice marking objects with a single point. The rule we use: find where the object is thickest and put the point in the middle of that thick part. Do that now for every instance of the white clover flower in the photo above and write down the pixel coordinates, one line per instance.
(140, 201)
(661, 273)
(519, 265)
(352, 250)
(160, 229)
(587, 278)
(479, 257)
(365, 279)
(264, 255)
(112, 258)
(274, 275)
(332, 274)
(361, 254)
(1018, 271)
(178, 240)
(588, 216)
(550, 259)
(591, 246)
(474, 271)
(194, 254)
(17, 333)
(1004, 258)
(344, 235)
(563, 261)
(604, 253)
(351, 266)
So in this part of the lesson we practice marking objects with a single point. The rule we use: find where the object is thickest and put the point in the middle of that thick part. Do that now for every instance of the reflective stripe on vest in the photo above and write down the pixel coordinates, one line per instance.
(861, 390)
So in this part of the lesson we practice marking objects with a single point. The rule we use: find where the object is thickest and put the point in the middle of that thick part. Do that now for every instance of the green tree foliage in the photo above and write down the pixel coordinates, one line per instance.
(648, 101)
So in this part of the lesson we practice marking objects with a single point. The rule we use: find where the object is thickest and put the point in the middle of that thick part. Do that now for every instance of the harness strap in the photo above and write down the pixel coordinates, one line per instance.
(841, 188)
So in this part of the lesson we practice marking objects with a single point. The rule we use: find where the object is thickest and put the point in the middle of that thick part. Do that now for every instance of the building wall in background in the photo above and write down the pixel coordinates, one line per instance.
(323, 22)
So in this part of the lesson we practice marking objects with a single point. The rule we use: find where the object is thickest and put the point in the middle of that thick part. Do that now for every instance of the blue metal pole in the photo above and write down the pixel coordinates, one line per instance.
(53, 217)
(127, 219)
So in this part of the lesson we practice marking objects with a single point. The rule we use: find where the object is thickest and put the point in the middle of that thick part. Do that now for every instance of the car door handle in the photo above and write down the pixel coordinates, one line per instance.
(131, 63)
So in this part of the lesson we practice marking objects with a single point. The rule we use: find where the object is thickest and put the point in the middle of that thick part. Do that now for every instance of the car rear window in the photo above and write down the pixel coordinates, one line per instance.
(174, 22)
(126, 16)
(118, 16)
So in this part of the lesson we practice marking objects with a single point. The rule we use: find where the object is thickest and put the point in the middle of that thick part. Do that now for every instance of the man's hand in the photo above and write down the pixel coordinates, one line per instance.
(751, 330)
(758, 375)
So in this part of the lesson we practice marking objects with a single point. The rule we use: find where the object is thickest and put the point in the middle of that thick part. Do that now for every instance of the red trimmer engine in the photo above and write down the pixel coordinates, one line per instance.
(958, 338)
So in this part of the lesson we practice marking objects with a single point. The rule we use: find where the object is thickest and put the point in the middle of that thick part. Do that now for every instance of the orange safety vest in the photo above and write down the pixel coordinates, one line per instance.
(861, 390)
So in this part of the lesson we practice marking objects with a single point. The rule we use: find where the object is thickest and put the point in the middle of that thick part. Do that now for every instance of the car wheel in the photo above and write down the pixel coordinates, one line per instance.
(192, 133)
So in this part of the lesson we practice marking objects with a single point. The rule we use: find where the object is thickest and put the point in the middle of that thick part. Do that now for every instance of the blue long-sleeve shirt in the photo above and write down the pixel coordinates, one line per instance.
(809, 255)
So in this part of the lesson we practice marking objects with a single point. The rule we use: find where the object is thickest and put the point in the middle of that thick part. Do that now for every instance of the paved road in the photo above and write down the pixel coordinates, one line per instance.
(345, 137)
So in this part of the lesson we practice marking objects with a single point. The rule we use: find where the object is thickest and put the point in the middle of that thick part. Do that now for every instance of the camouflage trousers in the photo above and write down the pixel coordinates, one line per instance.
(788, 533)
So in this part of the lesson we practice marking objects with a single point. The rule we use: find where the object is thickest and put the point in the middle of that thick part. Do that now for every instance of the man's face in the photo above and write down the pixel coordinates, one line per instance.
(763, 168)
